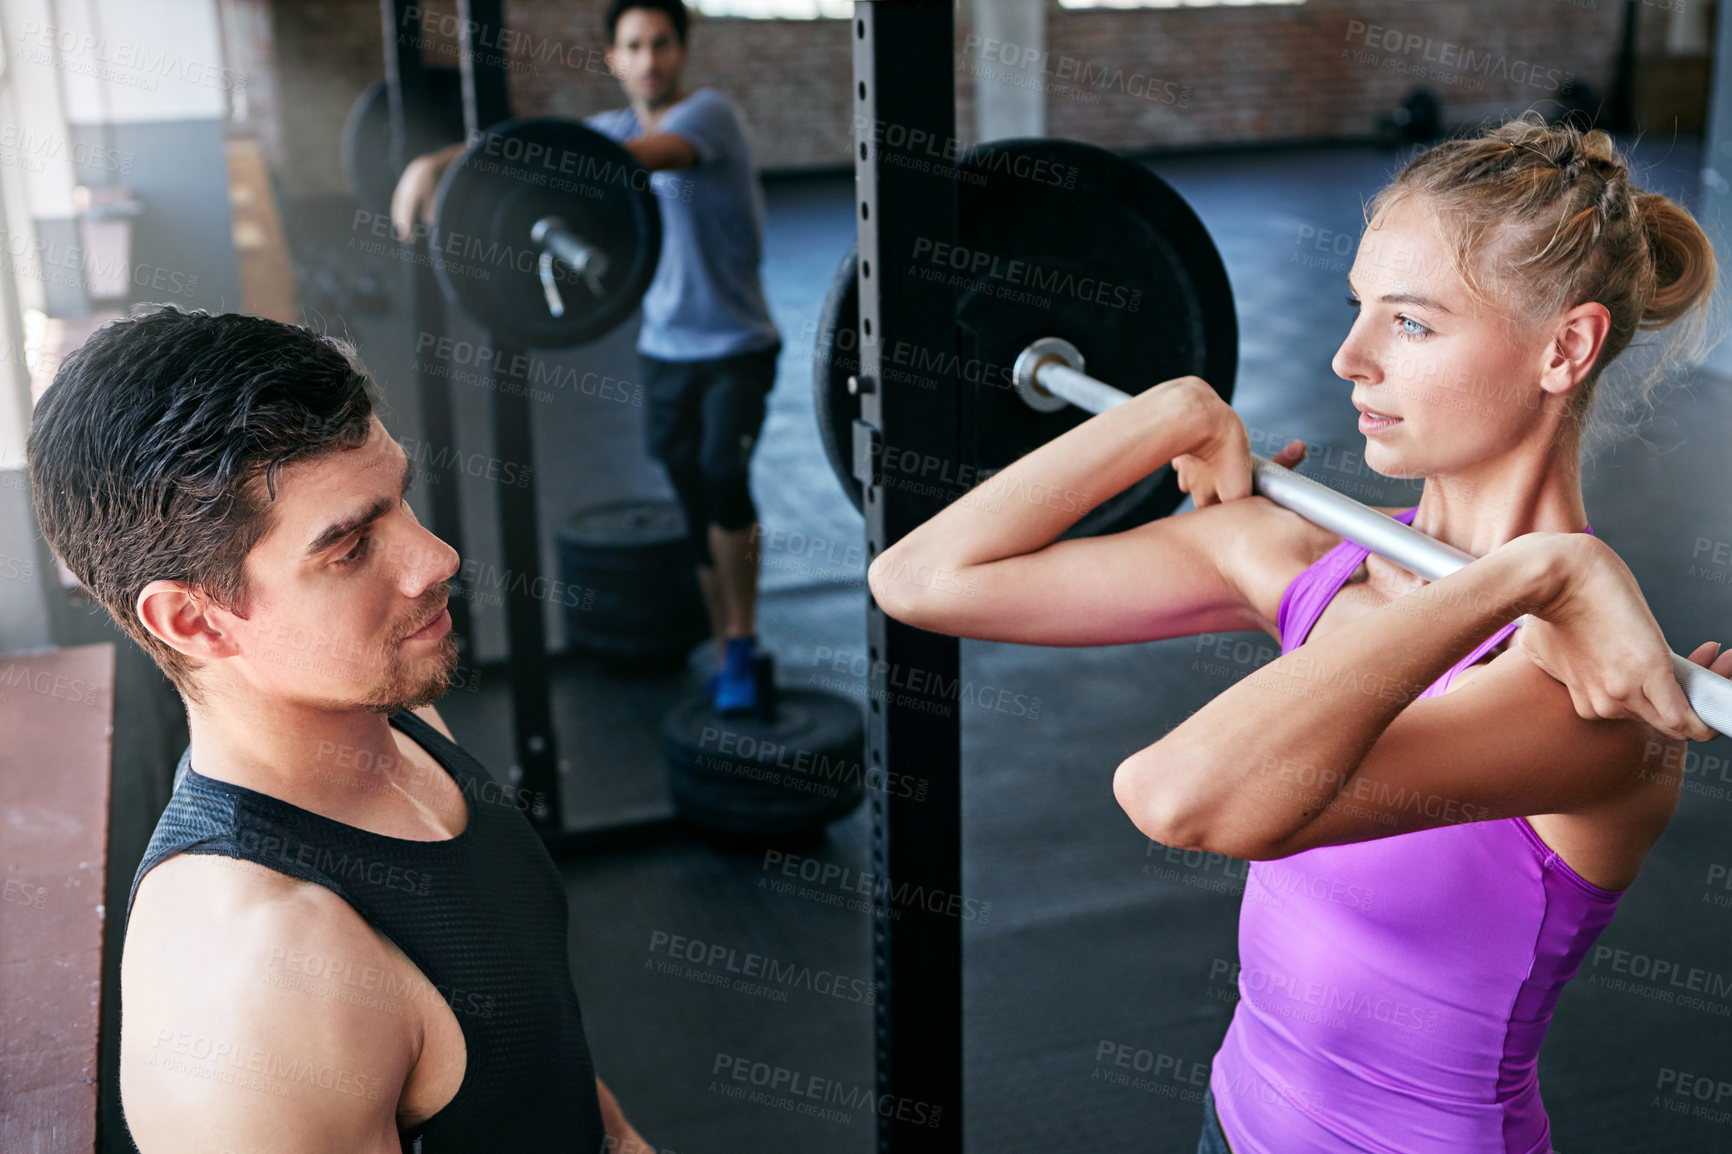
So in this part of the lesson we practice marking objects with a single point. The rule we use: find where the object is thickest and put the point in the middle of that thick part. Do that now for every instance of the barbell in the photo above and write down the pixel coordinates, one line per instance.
(1049, 376)
(546, 232)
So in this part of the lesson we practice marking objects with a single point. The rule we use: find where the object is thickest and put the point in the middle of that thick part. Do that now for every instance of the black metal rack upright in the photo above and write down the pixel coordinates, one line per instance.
(904, 78)
(407, 84)
(485, 103)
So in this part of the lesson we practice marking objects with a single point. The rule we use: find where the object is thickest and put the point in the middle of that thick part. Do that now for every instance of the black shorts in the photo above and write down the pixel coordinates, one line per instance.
(707, 414)
(702, 422)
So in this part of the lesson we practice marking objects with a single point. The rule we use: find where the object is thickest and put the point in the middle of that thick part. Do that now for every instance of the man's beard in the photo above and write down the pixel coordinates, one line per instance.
(660, 97)
(412, 684)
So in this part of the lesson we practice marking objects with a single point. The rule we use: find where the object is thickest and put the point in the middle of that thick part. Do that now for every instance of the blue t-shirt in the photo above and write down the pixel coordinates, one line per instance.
(706, 300)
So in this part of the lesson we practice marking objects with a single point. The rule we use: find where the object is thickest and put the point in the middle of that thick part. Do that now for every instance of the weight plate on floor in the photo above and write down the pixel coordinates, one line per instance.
(634, 598)
(748, 776)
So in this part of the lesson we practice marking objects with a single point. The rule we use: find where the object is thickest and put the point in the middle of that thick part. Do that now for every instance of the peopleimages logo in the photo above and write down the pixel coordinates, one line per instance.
(879, 887)
(1061, 75)
(1464, 60)
(796, 1091)
(112, 60)
(986, 266)
(749, 972)
(290, 850)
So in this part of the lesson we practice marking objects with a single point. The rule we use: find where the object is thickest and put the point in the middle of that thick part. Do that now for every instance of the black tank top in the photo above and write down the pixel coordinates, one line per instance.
(483, 915)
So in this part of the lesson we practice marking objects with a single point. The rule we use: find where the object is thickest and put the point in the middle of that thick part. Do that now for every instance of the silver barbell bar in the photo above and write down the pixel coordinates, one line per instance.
(1049, 375)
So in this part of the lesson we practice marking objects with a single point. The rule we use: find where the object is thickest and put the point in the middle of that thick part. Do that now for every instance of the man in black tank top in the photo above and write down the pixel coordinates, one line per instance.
(344, 935)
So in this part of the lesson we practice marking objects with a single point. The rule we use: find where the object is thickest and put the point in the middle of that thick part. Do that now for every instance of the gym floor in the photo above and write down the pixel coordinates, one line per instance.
(1087, 945)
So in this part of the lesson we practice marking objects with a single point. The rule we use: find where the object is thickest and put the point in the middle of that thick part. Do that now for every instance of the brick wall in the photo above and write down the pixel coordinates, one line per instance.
(1131, 80)
(1327, 69)
(326, 52)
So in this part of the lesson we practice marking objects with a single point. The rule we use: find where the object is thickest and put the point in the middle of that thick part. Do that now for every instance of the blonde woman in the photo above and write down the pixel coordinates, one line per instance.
(1495, 788)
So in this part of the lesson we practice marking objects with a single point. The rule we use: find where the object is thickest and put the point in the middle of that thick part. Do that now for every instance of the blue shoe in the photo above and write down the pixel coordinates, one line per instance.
(736, 686)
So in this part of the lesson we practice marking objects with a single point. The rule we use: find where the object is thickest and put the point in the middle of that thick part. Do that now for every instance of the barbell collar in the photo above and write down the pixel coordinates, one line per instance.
(559, 243)
(1047, 367)
(1052, 353)
(554, 235)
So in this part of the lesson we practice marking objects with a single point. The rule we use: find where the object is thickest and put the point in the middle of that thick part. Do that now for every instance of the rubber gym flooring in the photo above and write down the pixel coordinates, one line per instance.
(1082, 937)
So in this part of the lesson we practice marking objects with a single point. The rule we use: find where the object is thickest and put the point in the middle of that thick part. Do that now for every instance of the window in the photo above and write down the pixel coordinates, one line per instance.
(777, 9)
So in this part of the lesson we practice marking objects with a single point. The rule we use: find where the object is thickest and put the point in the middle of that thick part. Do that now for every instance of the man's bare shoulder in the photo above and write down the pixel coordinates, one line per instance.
(258, 1013)
(241, 901)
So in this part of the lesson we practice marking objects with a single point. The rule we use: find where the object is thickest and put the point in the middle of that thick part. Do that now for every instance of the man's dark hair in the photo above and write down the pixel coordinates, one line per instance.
(674, 8)
(155, 453)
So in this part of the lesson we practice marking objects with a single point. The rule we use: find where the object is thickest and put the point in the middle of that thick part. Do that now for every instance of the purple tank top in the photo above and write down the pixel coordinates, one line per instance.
(1393, 993)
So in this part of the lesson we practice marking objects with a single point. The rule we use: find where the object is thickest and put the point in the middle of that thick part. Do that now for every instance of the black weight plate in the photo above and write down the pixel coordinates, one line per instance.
(641, 606)
(518, 172)
(1107, 256)
(435, 119)
(749, 776)
(836, 358)
(1055, 239)
(633, 522)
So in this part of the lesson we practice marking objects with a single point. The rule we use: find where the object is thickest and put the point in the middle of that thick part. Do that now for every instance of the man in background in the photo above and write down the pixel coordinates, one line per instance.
(707, 346)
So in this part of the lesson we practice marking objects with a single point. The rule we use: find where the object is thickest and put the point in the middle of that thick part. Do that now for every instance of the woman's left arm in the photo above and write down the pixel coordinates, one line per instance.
(1328, 744)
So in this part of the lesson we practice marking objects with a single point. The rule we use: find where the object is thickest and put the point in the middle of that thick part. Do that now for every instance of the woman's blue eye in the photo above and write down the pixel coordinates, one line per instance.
(1412, 328)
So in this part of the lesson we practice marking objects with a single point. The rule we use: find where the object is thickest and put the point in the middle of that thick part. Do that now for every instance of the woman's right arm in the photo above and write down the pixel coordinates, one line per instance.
(990, 565)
